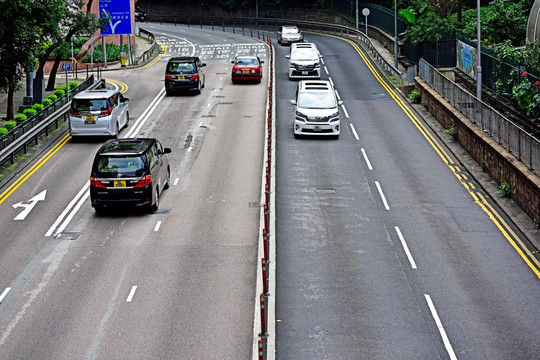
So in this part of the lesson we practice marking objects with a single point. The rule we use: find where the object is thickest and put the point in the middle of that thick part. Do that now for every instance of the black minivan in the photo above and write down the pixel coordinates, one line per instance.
(184, 73)
(129, 172)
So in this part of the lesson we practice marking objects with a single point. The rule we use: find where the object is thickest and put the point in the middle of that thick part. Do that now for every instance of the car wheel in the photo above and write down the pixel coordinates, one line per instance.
(168, 179)
(155, 207)
(116, 131)
(127, 119)
(99, 209)
(199, 87)
(296, 136)
(168, 92)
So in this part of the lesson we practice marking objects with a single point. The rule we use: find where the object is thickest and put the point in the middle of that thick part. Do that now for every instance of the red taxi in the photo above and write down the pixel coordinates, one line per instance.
(246, 67)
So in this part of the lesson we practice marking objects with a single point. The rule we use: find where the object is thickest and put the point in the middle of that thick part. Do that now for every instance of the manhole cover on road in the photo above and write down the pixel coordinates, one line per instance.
(326, 191)
(68, 236)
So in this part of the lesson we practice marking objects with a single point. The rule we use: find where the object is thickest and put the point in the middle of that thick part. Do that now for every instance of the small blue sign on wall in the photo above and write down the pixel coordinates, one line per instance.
(118, 16)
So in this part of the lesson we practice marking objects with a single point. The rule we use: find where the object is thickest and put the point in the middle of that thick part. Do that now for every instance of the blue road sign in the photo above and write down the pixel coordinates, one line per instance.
(66, 66)
(118, 15)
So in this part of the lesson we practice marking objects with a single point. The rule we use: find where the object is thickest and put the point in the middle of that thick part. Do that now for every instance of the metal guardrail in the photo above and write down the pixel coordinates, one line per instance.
(30, 130)
(154, 48)
(517, 141)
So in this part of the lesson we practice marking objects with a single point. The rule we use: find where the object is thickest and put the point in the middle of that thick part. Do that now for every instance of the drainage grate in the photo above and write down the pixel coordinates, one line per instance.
(325, 191)
(225, 103)
(218, 96)
(206, 116)
(68, 236)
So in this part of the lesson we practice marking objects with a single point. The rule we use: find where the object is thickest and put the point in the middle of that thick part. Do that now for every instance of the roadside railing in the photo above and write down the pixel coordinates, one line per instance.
(30, 130)
(152, 51)
(517, 141)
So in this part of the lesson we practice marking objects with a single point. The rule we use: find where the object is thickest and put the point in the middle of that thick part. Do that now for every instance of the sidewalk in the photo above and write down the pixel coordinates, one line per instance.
(142, 44)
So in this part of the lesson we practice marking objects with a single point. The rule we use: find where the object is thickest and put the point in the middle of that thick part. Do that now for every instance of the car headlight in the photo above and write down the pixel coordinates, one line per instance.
(334, 117)
(300, 117)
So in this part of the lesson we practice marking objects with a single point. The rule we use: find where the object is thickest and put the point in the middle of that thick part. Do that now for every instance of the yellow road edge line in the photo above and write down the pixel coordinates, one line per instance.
(33, 169)
(506, 231)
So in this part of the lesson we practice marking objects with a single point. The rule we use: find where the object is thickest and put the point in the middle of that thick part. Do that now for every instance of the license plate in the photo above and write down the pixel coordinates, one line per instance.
(245, 71)
(304, 73)
(90, 119)
(119, 183)
(317, 128)
(181, 78)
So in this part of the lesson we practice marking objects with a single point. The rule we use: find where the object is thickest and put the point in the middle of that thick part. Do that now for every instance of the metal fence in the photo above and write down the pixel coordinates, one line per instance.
(517, 141)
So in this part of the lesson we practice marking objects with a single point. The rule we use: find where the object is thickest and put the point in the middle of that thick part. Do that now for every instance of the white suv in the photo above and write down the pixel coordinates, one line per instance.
(304, 61)
(316, 109)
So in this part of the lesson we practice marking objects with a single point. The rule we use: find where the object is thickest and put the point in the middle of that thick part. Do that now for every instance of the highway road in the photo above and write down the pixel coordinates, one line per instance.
(385, 246)
(129, 285)
(383, 251)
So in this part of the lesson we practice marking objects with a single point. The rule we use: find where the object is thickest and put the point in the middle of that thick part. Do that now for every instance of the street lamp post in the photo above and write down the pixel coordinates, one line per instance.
(356, 15)
(479, 55)
(395, 36)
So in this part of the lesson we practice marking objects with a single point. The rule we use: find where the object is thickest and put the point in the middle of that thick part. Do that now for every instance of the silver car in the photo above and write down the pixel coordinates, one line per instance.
(304, 62)
(288, 35)
(98, 113)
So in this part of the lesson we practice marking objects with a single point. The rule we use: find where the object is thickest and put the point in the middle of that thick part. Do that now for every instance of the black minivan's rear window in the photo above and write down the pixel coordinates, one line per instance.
(119, 166)
(180, 68)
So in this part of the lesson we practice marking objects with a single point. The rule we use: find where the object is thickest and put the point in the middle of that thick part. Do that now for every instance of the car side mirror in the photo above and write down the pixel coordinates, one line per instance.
(203, 64)
(340, 102)
(288, 56)
(125, 99)
(166, 150)
(293, 102)
(262, 61)
(232, 61)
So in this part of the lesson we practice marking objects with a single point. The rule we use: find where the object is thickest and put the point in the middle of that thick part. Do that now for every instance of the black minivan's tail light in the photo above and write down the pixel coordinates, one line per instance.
(146, 180)
(194, 77)
(96, 183)
(168, 77)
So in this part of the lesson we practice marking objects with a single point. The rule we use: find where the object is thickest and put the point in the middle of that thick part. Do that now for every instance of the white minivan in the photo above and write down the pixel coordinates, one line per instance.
(100, 112)
(304, 61)
(316, 109)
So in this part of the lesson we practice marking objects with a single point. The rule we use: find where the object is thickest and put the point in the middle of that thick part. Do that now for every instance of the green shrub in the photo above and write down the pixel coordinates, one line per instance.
(10, 125)
(72, 84)
(3, 131)
(29, 112)
(38, 107)
(59, 92)
(20, 118)
(414, 96)
(53, 97)
(113, 53)
(504, 190)
(452, 132)
(63, 88)
(47, 101)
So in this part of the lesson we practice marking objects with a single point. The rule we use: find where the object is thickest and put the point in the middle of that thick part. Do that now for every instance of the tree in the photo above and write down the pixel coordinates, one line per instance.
(66, 20)
(18, 36)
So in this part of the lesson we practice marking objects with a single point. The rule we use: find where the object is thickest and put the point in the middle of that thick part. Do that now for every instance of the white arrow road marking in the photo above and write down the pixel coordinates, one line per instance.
(29, 207)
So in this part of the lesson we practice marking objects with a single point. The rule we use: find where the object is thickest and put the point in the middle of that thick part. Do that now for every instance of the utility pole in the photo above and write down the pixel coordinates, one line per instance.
(479, 53)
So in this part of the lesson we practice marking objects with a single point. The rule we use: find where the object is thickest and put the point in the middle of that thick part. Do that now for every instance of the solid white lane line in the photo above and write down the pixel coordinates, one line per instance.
(67, 209)
(176, 181)
(345, 111)
(322, 61)
(337, 94)
(73, 212)
(158, 225)
(131, 294)
(405, 247)
(4, 294)
(445, 339)
(331, 81)
(326, 70)
(146, 114)
(354, 131)
(382, 195)
(366, 159)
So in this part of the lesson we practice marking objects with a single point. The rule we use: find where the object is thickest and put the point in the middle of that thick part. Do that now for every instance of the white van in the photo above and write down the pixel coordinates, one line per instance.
(98, 113)
(304, 61)
(316, 109)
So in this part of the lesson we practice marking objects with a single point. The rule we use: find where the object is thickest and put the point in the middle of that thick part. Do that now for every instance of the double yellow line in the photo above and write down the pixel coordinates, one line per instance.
(7, 193)
(479, 199)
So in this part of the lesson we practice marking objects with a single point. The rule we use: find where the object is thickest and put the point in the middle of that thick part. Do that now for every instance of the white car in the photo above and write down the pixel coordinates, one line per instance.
(304, 62)
(288, 35)
(316, 109)
(98, 113)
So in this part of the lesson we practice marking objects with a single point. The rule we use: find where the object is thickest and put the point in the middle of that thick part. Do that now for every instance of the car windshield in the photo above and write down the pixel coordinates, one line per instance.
(90, 104)
(120, 166)
(179, 68)
(246, 61)
(316, 100)
(290, 31)
(304, 54)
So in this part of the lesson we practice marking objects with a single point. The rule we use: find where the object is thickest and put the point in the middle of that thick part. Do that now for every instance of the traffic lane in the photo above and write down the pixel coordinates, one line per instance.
(109, 246)
(336, 257)
(456, 234)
